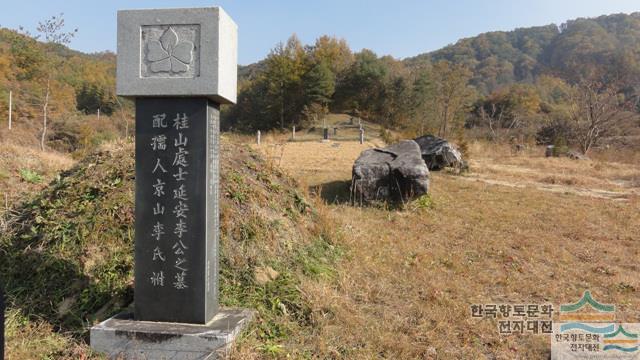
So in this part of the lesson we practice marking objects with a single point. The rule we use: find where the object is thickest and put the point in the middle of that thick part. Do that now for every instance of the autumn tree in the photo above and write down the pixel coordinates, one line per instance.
(334, 52)
(395, 103)
(54, 36)
(421, 99)
(285, 66)
(452, 96)
(508, 109)
(597, 109)
(28, 59)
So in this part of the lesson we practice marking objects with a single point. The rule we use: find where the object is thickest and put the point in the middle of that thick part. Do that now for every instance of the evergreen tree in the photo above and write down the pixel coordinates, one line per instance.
(363, 84)
(319, 84)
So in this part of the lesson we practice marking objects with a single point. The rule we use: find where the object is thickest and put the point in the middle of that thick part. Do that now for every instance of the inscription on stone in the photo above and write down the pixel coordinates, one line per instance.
(176, 209)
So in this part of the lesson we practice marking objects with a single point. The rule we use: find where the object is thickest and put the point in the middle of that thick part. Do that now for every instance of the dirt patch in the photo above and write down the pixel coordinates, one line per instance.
(551, 186)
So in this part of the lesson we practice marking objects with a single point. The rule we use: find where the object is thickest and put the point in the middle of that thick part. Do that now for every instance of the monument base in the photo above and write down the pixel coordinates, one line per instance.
(121, 337)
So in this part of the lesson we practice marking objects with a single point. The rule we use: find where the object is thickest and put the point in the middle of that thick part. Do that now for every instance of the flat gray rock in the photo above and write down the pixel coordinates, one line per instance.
(438, 153)
(393, 174)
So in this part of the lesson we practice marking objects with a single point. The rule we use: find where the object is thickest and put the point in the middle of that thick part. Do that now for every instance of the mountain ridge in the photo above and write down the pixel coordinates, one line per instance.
(503, 57)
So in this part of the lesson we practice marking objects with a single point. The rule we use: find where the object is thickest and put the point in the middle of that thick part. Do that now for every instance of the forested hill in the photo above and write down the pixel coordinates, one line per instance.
(297, 83)
(77, 82)
(504, 57)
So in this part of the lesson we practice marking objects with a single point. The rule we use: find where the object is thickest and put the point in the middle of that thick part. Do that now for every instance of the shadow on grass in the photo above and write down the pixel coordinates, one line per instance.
(334, 192)
(47, 286)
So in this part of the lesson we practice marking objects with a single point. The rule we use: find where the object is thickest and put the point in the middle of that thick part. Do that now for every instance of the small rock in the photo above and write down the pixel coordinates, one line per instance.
(265, 275)
(574, 155)
(283, 309)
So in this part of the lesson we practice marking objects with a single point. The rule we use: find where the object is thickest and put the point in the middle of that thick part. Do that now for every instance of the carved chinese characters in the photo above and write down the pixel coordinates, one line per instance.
(176, 209)
(180, 196)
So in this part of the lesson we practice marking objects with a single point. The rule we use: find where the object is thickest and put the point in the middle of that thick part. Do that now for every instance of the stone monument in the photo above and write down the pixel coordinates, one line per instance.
(179, 65)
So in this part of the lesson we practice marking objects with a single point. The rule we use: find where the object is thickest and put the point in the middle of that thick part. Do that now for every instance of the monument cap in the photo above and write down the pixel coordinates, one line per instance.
(178, 53)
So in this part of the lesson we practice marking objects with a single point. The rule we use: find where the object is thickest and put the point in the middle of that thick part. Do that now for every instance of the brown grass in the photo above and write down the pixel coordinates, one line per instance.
(26, 340)
(531, 168)
(317, 162)
(15, 158)
(405, 288)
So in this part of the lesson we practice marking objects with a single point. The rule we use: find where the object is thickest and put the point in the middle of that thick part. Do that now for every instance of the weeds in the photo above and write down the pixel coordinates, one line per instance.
(30, 176)
(75, 246)
(424, 202)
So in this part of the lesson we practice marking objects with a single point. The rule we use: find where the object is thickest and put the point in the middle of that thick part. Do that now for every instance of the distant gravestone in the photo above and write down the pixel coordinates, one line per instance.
(179, 65)
(548, 152)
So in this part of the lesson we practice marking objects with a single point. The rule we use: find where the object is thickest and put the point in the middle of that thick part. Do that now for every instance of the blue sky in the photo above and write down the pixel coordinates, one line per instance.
(400, 28)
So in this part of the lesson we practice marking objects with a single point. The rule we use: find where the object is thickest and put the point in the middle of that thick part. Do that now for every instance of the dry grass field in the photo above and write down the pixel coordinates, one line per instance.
(25, 170)
(516, 229)
(358, 282)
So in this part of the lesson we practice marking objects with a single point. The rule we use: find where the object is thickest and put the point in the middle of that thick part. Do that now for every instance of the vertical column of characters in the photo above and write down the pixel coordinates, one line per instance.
(213, 124)
(181, 196)
(158, 145)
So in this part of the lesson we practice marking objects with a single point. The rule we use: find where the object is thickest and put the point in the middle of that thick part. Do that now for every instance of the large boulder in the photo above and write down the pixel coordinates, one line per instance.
(438, 153)
(394, 174)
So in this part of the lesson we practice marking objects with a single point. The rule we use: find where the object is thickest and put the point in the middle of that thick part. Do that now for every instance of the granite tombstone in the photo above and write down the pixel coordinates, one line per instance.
(179, 65)
(176, 241)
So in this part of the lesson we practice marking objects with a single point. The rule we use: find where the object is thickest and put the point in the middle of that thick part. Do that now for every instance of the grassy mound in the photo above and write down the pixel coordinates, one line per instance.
(67, 261)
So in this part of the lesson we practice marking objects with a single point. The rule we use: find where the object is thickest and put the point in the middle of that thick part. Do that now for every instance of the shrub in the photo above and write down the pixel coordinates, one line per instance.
(30, 176)
(387, 136)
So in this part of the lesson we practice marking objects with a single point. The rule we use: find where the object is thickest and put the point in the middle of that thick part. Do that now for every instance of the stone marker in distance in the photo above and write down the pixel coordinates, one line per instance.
(179, 65)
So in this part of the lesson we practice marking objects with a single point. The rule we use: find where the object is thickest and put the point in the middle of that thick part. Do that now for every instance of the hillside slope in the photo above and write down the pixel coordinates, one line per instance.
(504, 57)
(77, 81)
(67, 261)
